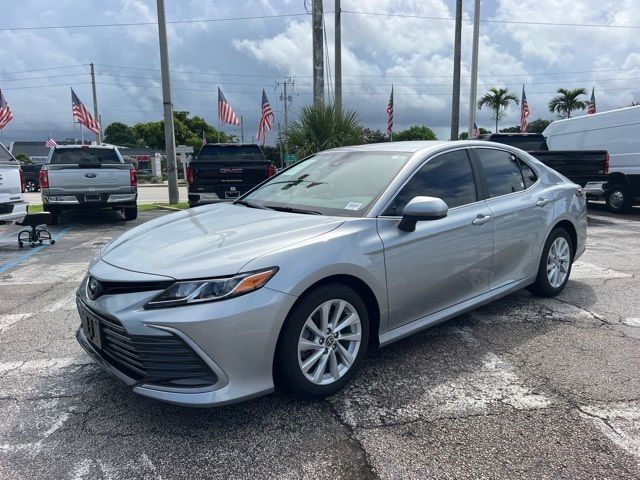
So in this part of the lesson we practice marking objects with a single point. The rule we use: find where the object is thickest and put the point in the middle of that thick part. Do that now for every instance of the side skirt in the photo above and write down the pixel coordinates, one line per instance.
(443, 315)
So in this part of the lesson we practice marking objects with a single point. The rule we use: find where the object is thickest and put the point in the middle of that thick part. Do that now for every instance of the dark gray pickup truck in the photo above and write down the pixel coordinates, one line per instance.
(579, 166)
(224, 171)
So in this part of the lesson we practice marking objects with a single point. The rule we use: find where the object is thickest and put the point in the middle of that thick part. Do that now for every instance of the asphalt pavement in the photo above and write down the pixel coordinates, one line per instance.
(521, 388)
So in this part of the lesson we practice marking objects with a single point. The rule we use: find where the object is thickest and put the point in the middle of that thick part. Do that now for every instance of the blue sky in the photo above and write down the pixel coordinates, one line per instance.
(245, 56)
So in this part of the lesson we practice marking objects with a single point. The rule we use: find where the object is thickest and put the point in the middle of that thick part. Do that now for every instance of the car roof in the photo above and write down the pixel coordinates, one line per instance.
(421, 146)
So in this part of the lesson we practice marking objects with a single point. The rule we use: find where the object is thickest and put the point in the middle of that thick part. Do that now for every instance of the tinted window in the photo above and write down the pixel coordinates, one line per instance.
(84, 155)
(447, 176)
(226, 153)
(501, 171)
(526, 143)
(528, 174)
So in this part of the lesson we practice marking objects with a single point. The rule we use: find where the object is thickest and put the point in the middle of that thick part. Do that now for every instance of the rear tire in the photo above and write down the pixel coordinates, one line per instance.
(338, 348)
(54, 215)
(618, 199)
(555, 264)
(131, 213)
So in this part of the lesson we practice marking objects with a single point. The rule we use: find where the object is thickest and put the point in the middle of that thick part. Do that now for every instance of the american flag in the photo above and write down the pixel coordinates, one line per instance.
(390, 113)
(6, 115)
(475, 132)
(50, 143)
(225, 112)
(591, 106)
(82, 114)
(524, 113)
(266, 122)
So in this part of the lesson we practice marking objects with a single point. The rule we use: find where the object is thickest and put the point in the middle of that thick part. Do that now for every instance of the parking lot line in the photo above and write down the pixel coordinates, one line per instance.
(14, 263)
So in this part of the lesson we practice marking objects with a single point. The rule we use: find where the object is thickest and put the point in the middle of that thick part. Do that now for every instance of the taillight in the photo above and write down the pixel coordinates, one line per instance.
(271, 170)
(607, 161)
(133, 174)
(191, 175)
(579, 193)
(44, 179)
(22, 184)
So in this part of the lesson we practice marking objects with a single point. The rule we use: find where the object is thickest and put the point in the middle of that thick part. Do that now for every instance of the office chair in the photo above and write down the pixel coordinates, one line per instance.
(38, 232)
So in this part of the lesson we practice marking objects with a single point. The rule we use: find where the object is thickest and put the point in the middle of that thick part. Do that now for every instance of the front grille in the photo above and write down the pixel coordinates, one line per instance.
(157, 360)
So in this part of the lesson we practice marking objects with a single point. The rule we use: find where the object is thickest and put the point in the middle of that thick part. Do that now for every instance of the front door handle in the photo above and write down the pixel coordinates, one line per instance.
(481, 219)
(542, 202)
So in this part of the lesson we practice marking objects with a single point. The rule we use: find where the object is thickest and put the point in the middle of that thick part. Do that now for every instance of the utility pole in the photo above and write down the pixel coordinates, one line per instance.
(241, 129)
(286, 98)
(169, 136)
(95, 103)
(457, 54)
(474, 68)
(338, 55)
(318, 54)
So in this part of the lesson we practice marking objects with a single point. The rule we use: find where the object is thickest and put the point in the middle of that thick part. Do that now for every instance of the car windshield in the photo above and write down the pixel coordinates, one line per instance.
(330, 183)
(72, 156)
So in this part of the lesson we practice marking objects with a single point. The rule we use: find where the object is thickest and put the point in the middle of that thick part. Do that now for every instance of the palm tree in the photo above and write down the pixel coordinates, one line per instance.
(498, 99)
(567, 101)
(322, 127)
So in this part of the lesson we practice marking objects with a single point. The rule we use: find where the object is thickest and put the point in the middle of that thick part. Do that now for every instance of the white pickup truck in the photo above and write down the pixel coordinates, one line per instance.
(12, 204)
(82, 177)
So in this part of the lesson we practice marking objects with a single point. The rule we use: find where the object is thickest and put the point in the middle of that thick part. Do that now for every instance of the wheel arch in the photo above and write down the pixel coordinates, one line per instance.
(361, 288)
(571, 230)
(617, 178)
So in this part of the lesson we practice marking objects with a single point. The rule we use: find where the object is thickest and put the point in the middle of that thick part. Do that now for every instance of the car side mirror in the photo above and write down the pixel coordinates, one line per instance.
(422, 208)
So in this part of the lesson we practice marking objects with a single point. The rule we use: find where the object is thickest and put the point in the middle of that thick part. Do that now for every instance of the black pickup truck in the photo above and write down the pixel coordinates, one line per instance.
(579, 166)
(224, 171)
(31, 177)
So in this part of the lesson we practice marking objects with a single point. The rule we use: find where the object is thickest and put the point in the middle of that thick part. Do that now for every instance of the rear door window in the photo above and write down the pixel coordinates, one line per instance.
(501, 171)
(74, 156)
(528, 175)
(227, 153)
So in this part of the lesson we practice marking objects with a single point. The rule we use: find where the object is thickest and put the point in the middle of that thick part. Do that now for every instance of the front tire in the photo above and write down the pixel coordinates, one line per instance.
(323, 342)
(618, 199)
(555, 265)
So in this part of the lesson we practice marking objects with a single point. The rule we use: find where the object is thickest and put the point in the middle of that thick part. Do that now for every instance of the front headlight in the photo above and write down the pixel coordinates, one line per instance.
(209, 290)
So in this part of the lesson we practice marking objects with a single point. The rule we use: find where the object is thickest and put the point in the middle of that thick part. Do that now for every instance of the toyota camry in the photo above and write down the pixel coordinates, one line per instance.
(352, 248)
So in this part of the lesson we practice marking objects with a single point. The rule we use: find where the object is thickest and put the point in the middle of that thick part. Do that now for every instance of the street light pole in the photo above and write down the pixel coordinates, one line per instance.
(169, 136)
(318, 53)
(338, 56)
(474, 68)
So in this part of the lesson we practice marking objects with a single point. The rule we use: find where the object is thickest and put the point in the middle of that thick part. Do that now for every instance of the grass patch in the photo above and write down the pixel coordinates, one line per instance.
(152, 206)
(37, 208)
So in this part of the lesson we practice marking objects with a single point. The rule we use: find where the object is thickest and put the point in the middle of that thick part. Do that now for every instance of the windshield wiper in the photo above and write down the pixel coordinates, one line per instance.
(293, 210)
(251, 205)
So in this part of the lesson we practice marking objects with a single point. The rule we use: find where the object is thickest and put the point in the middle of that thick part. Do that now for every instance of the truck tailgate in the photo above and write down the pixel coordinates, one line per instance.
(75, 179)
(228, 180)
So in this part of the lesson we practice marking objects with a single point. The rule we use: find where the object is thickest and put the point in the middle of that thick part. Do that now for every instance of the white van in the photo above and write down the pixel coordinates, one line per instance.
(617, 132)
(12, 204)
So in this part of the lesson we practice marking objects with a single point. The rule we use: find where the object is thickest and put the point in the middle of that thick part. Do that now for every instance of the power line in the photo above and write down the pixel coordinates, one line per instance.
(47, 86)
(140, 24)
(513, 22)
(43, 69)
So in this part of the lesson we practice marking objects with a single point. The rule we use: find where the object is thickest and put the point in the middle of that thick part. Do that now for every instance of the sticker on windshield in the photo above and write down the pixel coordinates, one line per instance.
(353, 206)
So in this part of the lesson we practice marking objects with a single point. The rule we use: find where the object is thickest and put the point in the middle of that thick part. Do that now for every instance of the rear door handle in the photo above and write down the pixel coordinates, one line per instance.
(481, 219)
(542, 202)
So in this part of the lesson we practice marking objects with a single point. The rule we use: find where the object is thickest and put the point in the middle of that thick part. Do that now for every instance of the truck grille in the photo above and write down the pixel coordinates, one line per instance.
(157, 360)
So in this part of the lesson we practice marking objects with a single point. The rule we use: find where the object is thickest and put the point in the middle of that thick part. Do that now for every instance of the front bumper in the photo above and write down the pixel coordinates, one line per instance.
(235, 337)
(595, 189)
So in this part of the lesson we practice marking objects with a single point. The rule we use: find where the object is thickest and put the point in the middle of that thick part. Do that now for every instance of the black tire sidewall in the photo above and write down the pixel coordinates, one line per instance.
(625, 203)
(542, 285)
(287, 370)
(131, 213)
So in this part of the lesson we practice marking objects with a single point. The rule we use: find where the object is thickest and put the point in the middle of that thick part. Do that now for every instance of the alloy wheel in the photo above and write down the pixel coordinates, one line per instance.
(616, 199)
(31, 186)
(558, 261)
(329, 342)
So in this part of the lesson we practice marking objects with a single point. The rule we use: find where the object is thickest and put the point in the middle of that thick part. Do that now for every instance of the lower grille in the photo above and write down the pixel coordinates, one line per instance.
(157, 360)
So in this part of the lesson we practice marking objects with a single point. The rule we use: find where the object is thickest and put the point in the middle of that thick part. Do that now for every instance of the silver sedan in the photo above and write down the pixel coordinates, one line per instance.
(347, 249)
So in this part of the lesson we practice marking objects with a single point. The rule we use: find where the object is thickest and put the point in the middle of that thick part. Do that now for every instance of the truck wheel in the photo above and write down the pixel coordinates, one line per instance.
(618, 199)
(31, 186)
(131, 213)
(54, 215)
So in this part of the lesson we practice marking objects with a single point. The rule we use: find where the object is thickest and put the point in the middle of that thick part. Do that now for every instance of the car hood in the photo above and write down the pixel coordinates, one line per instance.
(209, 241)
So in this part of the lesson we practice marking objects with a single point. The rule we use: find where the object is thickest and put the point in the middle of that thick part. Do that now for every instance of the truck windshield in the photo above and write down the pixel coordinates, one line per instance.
(73, 156)
(331, 183)
(230, 153)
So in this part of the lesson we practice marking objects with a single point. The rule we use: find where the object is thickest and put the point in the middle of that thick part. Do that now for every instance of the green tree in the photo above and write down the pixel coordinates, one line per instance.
(538, 125)
(23, 159)
(416, 132)
(567, 101)
(118, 133)
(498, 99)
(323, 127)
(465, 135)
(375, 136)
